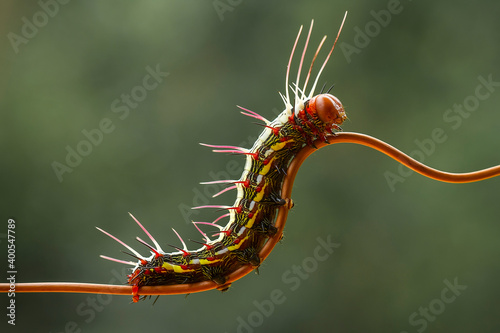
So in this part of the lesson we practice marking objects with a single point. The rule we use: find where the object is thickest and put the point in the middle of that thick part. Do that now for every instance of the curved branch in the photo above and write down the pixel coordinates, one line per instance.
(408, 161)
(346, 137)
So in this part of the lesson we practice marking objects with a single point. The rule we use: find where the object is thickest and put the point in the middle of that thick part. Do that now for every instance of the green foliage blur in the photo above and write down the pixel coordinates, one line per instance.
(93, 127)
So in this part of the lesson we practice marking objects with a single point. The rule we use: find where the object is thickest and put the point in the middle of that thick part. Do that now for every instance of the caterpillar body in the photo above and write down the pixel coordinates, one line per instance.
(251, 217)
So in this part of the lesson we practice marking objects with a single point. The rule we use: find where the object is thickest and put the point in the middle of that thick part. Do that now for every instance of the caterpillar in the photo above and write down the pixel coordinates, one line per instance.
(251, 217)
(264, 188)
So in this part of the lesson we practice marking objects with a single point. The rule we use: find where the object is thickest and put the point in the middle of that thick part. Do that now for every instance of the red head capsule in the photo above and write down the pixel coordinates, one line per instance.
(328, 108)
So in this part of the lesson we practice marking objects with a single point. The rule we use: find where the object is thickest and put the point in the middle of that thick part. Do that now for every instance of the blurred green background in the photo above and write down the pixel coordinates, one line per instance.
(398, 244)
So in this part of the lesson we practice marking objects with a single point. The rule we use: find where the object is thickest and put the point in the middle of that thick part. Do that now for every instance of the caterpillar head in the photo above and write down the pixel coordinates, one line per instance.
(328, 108)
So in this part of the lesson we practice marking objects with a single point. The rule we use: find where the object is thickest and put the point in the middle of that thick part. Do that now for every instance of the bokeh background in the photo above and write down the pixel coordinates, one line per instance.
(397, 244)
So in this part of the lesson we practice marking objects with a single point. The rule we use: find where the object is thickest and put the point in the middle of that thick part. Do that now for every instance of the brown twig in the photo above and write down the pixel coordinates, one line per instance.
(357, 138)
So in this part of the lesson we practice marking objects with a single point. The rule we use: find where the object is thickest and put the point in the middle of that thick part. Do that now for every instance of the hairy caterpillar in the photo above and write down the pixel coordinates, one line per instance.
(252, 215)
(167, 273)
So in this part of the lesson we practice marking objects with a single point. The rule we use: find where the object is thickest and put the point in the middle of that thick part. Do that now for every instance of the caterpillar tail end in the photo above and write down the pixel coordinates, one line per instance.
(135, 293)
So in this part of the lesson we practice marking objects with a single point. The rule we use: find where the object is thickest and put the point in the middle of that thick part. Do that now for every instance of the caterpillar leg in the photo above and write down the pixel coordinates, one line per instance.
(224, 287)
